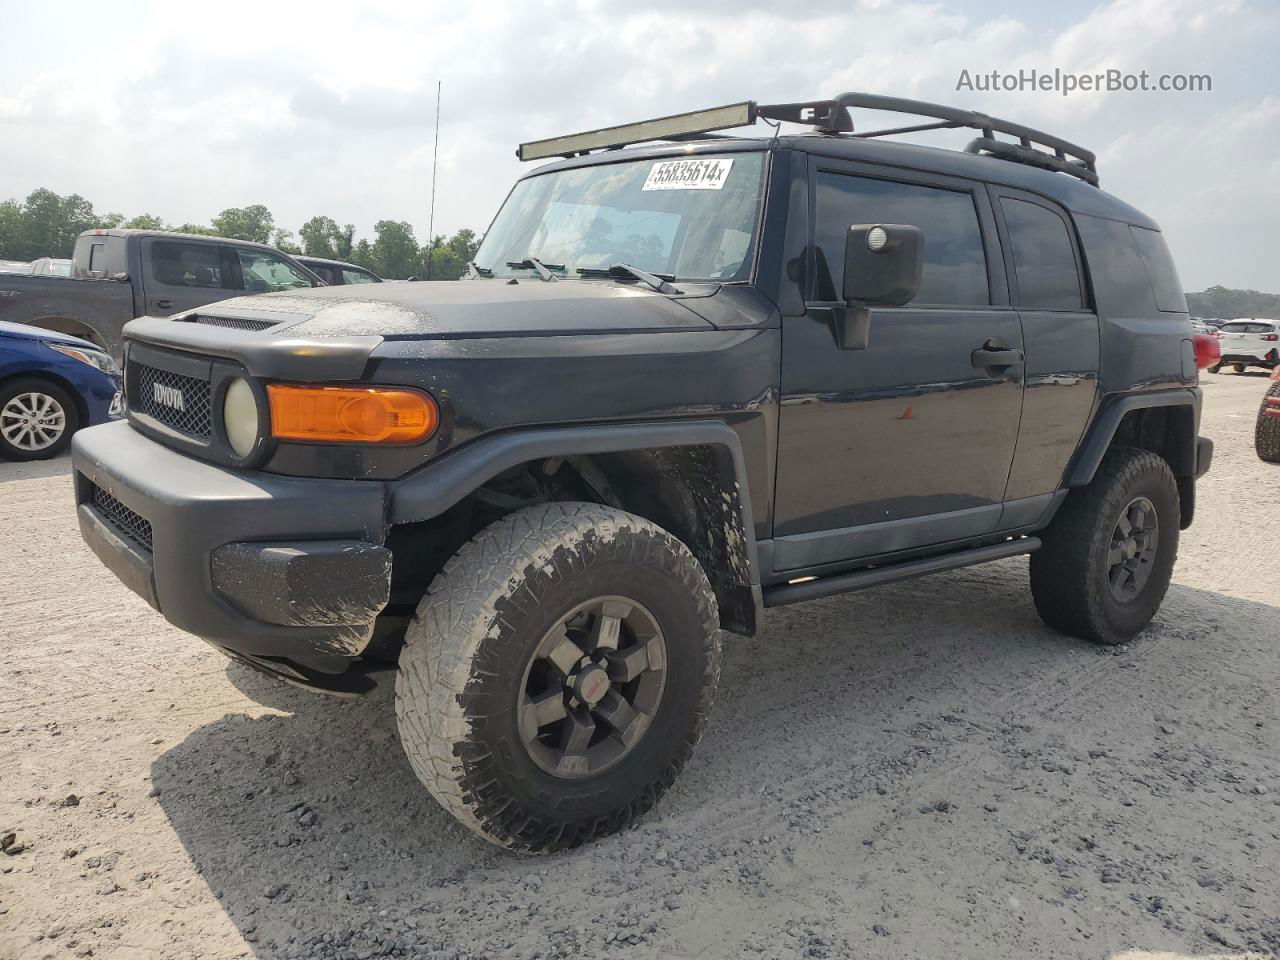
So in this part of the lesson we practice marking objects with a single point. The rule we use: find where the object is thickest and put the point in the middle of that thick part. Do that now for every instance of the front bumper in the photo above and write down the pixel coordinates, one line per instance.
(262, 565)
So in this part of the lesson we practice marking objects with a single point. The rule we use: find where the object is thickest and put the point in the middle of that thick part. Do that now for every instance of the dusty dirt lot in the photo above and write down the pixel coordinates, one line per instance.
(924, 771)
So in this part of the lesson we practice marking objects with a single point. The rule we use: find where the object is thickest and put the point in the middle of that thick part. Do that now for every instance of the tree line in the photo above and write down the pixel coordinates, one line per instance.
(1225, 303)
(46, 225)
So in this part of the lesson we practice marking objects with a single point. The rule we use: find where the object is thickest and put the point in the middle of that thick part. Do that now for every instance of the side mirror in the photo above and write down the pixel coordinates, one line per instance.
(883, 263)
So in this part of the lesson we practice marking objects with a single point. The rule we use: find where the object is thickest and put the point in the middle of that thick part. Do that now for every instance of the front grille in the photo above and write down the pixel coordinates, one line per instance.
(237, 323)
(174, 399)
(120, 518)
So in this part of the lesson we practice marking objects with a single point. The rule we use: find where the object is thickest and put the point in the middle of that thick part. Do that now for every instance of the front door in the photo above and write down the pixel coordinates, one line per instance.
(908, 442)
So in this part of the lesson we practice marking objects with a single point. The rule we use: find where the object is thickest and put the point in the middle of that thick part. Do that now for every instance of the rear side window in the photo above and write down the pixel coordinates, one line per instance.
(1044, 259)
(264, 273)
(1160, 270)
(357, 276)
(955, 262)
(186, 264)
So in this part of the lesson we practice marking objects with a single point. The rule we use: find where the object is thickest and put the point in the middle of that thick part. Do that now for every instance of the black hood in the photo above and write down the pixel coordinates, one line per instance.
(469, 308)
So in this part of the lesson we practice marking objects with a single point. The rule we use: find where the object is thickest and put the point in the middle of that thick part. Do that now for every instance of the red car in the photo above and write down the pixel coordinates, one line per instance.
(1266, 437)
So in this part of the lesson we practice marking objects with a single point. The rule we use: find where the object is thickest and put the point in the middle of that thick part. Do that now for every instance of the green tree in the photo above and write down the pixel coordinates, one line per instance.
(447, 259)
(12, 230)
(321, 237)
(282, 239)
(395, 250)
(144, 221)
(198, 228)
(342, 244)
(44, 225)
(245, 223)
(362, 255)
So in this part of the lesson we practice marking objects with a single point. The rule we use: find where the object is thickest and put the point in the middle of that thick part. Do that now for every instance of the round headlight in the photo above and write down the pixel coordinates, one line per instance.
(240, 417)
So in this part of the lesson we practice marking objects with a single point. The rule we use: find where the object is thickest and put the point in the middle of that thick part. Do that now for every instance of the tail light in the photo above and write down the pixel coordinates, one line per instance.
(1271, 337)
(1208, 350)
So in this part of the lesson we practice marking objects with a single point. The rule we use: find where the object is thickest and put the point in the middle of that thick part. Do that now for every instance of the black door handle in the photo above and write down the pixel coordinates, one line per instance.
(993, 353)
(164, 304)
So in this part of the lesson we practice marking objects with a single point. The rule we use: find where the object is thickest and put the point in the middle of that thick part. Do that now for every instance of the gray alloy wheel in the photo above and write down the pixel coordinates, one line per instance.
(32, 421)
(592, 687)
(1133, 548)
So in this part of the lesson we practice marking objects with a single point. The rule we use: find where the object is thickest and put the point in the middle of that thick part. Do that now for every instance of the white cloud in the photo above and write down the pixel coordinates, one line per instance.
(318, 110)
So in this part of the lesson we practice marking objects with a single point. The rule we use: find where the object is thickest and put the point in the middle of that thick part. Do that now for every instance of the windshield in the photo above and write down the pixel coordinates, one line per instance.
(692, 218)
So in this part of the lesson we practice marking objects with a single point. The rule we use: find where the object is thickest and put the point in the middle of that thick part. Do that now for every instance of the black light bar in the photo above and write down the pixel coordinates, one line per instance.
(664, 128)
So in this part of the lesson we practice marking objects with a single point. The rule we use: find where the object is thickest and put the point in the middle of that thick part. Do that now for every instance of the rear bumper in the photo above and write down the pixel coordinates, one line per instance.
(262, 565)
(1252, 355)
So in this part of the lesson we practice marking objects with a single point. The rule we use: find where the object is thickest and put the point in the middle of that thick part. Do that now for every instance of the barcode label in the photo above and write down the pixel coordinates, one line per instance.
(688, 175)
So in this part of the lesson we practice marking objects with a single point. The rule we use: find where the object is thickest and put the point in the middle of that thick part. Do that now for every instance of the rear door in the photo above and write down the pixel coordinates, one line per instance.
(1061, 337)
(182, 274)
(907, 443)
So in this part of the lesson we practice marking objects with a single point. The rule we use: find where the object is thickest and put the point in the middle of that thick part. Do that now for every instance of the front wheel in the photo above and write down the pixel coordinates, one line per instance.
(37, 419)
(1107, 558)
(557, 675)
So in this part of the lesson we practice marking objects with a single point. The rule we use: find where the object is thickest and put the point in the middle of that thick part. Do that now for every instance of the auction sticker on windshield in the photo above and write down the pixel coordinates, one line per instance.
(688, 175)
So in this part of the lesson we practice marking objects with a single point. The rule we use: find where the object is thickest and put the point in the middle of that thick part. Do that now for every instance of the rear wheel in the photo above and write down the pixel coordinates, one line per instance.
(1238, 367)
(37, 419)
(1107, 558)
(557, 675)
(1266, 435)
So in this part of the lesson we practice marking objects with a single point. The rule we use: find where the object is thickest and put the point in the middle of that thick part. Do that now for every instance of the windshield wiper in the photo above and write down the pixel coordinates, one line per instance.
(655, 281)
(533, 263)
(475, 271)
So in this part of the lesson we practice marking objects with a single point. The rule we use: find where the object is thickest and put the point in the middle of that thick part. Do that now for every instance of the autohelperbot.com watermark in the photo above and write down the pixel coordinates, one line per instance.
(1066, 82)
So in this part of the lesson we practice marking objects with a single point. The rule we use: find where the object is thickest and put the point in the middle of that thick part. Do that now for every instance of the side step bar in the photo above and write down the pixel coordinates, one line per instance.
(785, 593)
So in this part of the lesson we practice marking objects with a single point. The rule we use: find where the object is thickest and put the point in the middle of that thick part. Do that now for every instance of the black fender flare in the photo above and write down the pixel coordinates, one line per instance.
(434, 488)
(1102, 430)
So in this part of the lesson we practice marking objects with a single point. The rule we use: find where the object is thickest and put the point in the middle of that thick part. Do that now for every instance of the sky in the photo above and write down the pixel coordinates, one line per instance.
(312, 108)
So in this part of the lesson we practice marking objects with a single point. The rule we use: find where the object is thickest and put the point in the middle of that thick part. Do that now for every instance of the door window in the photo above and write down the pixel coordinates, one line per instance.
(265, 273)
(955, 262)
(178, 264)
(1044, 259)
(357, 276)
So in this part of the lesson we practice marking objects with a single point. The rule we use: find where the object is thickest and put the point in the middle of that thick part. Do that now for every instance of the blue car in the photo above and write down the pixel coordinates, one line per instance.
(51, 385)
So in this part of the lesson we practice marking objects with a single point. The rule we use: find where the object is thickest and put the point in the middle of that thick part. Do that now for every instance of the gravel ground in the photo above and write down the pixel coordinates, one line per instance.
(923, 771)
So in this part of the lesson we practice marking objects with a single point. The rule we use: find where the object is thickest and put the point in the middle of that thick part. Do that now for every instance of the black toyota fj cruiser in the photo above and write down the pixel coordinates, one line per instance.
(684, 383)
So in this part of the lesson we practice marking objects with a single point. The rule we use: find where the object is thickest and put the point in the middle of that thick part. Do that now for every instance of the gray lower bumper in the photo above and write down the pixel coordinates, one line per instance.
(264, 565)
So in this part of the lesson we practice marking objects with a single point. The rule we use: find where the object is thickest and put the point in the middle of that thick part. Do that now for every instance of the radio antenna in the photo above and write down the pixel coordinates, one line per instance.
(435, 159)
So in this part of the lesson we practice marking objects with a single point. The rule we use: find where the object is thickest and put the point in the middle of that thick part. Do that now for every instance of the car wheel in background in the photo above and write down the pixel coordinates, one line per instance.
(1266, 436)
(37, 419)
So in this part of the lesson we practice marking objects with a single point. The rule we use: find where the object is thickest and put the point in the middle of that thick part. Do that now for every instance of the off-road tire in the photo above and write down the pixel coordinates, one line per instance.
(1069, 573)
(467, 649)
(71, 415)
(1266, 435)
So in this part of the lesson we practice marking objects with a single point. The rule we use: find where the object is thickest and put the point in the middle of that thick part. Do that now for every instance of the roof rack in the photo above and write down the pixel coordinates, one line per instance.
(1066, 157)
(832, 117)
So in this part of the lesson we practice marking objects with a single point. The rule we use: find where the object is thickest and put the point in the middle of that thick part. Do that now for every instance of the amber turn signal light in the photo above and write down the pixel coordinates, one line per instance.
(351, 415)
